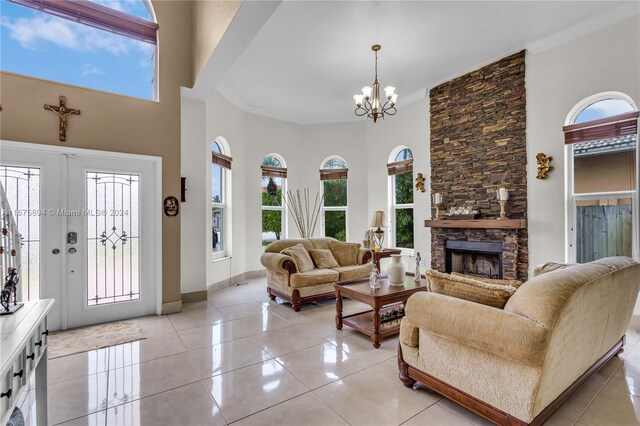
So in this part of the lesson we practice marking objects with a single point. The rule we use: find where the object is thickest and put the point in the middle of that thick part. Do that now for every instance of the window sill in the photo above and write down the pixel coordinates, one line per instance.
(216, 259)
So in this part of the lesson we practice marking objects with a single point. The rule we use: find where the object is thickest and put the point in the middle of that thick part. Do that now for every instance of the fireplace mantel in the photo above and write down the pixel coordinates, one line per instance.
(478, 224)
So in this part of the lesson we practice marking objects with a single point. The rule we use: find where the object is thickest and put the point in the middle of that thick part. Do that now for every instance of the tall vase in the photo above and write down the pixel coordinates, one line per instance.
(396, 271)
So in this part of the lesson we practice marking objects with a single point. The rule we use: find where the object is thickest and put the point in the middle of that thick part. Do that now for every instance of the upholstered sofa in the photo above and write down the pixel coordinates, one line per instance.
(284, 279)
(517, 365)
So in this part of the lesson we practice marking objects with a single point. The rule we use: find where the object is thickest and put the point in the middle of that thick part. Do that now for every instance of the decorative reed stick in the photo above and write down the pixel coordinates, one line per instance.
(304, 217)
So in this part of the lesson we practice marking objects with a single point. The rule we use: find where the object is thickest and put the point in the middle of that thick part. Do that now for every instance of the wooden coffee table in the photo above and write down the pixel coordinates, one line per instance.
(386, 298)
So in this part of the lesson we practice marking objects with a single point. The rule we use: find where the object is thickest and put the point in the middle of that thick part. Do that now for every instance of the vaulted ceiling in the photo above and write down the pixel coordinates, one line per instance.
(310, 57)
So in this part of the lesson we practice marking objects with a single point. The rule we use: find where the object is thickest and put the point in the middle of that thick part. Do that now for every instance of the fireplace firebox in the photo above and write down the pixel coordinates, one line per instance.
(481, 258)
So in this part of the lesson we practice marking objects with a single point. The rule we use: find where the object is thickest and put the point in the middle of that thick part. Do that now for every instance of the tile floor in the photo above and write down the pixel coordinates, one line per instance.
(240, 359)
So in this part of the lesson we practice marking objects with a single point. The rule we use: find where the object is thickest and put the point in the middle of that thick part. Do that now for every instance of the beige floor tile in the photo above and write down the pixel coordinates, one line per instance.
(360, 346)
(369, 397)
(460, 411)
(140, 380)
(631, 356)
(305, 409)
(282, 342)
(248, 390)
(436, 416)
(626, 379)
(326, 330)
(77, 365)
(221, 300)
(285, 311)
(77, 397)
(319, 365)
(612, 407)
(225, 357)
(187, 405)
(201, 314)
(633, 337)
(153, 347)
(227, 331)
(573, 408)
(242, 311)
(95, 419)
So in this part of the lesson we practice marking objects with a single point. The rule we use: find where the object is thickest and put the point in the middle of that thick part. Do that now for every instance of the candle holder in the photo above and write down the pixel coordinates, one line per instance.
(503, 195)
(437, 201)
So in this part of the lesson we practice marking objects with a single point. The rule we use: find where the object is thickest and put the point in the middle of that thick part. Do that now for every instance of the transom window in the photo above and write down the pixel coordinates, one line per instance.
(273, 188)
(400, 171)
(89, 44)
(333, 175)
(602, 141)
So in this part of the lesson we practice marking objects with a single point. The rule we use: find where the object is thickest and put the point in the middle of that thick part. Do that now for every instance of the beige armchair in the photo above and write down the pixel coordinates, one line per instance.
(517, 365)
(286, 282)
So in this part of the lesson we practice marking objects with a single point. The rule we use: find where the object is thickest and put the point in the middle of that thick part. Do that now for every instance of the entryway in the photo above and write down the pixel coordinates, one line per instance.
(85, 243)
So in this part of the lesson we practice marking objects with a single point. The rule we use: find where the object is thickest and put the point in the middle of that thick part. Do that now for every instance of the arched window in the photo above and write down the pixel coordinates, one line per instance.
(333, 175)
(220, 171)
(90, 44)
(601, 136)
(274, 181)
(400, 169)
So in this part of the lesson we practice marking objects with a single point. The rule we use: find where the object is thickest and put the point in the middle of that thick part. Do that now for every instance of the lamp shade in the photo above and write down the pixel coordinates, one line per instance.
(378, 219)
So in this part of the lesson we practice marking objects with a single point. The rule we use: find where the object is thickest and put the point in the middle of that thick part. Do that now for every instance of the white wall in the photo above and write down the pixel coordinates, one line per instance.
(557, 79)
(410, 127)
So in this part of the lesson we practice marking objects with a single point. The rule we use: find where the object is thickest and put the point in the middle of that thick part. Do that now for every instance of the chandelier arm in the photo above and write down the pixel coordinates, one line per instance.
(360, 111)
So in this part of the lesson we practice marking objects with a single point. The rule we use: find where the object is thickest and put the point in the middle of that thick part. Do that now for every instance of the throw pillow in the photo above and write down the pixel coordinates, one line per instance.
(324, 258)
(469, 289)
(345, 253)
(300, 256)
(510, 283)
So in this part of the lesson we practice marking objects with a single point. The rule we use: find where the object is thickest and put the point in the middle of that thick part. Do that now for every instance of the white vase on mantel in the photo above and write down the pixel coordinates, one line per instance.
(396, 271)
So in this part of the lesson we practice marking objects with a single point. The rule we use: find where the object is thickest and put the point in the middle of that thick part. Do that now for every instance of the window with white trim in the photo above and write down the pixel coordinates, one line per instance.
(401, 174)
(273, 190)
(333, 176)
(601, 137)
(220, 169)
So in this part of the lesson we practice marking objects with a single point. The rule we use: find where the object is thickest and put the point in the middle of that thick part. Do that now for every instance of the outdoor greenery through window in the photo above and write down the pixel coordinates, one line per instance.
(402, 208)
(273, 187)
(604, 186)
(217, 204)
(334, 187)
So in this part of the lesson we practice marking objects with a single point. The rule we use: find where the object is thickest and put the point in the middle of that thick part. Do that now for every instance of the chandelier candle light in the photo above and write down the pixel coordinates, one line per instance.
(503, 196)
(369, 103)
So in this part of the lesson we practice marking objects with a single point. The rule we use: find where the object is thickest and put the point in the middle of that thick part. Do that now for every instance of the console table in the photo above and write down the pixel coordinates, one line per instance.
(23, 352)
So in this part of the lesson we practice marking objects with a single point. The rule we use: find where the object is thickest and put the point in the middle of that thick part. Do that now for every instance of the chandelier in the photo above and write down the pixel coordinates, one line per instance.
(369, 103)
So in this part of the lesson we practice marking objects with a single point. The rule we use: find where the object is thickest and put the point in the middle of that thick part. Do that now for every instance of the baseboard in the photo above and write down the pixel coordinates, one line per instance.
(236, 279)
(171, 307)
(194, 296)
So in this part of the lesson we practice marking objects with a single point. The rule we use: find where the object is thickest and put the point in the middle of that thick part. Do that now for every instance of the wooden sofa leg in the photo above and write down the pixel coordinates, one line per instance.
(271, 296)
(296, 300)
(403, 370)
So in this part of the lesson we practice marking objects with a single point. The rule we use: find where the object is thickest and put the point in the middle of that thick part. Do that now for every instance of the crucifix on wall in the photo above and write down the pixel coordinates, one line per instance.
(62, 112)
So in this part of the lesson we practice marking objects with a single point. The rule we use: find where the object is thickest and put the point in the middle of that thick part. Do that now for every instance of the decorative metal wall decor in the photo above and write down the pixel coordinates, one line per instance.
(171, 206)
(420, 182)
(62, 112)
(544, 166)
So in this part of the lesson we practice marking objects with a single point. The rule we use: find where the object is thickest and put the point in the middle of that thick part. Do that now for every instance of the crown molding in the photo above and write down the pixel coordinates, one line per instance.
(605, 19)
(290, 118)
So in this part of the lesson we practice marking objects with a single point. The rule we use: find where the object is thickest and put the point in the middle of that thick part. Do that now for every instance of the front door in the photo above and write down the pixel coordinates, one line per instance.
(98, 226)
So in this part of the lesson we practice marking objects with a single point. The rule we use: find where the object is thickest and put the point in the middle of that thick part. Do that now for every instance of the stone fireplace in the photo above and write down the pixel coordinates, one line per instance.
(478, 144)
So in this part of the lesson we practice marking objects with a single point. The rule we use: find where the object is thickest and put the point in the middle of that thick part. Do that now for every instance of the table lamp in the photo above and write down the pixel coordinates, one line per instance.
(378, 222)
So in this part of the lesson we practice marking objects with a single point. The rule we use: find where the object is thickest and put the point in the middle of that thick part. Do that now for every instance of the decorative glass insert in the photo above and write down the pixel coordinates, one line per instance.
(113, 246)
(405, 154)
(603, 109)
(22, 186)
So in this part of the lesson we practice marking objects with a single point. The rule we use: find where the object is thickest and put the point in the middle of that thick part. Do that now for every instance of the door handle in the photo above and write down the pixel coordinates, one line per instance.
(55, 251)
